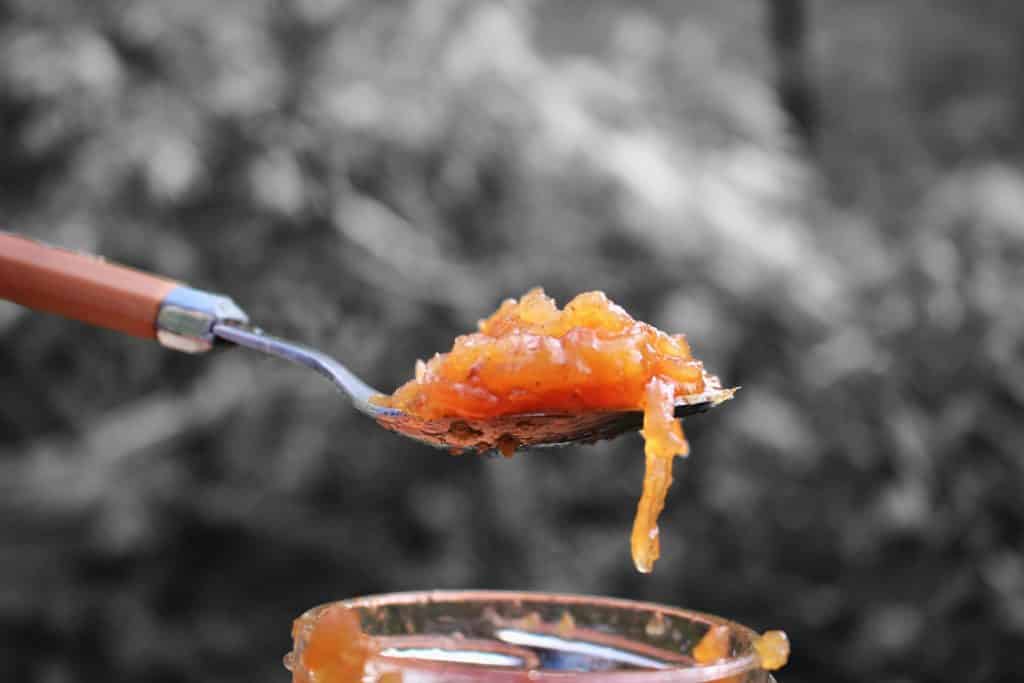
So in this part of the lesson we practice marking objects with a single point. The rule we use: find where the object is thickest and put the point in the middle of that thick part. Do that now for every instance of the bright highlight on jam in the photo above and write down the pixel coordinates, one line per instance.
(531, 357)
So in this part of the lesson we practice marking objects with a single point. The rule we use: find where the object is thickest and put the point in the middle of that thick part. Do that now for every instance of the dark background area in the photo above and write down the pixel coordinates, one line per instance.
(827, 197)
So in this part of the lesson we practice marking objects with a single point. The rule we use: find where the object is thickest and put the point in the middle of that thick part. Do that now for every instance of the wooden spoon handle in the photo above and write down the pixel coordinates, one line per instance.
(80, 286)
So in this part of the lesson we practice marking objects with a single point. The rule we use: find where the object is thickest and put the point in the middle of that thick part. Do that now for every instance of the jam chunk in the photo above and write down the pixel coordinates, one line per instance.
(330, 647)
(773, 649)
(532, 357)
(713, 646)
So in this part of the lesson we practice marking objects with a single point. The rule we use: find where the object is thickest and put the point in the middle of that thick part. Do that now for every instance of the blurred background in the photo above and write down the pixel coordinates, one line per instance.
(826, 196)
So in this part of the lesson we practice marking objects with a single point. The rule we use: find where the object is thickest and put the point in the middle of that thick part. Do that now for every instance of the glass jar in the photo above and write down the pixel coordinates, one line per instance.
(506, 637)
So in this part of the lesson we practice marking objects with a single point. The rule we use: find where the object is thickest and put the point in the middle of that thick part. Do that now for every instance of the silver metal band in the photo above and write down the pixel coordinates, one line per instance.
(187, 316)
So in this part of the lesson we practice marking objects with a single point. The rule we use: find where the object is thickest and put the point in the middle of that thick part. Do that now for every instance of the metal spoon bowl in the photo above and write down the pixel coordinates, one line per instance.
(458, 434)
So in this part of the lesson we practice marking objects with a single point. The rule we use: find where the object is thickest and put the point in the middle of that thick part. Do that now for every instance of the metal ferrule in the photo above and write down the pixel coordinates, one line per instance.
(187, 316)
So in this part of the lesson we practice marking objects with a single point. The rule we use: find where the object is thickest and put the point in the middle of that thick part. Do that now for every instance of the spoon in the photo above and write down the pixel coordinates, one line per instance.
(89, 289)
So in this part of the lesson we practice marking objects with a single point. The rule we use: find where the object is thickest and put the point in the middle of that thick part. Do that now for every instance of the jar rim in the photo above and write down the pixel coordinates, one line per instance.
(426, 671)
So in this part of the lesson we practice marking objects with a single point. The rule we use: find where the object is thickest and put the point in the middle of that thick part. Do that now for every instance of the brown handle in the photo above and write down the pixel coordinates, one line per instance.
(80, 286)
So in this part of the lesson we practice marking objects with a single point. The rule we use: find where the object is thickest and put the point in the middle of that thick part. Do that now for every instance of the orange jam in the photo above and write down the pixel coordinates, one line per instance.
(330, 647)
(713, 646)
(531, 357)
(773, 649)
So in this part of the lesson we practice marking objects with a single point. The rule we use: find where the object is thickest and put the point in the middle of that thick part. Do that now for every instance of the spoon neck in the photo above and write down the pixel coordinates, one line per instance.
(253, 338)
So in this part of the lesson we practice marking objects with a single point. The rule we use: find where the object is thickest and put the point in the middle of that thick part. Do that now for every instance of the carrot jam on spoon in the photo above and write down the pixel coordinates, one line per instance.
(531, 357)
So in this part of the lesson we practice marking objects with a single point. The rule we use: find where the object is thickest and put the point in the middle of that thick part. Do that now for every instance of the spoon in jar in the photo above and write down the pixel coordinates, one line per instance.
(94, 291)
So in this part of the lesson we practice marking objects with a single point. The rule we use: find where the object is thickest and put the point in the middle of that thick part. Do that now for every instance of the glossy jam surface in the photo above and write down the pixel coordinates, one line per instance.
(773, 649)
(330, 647)
(713, 646)
(532, 357)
